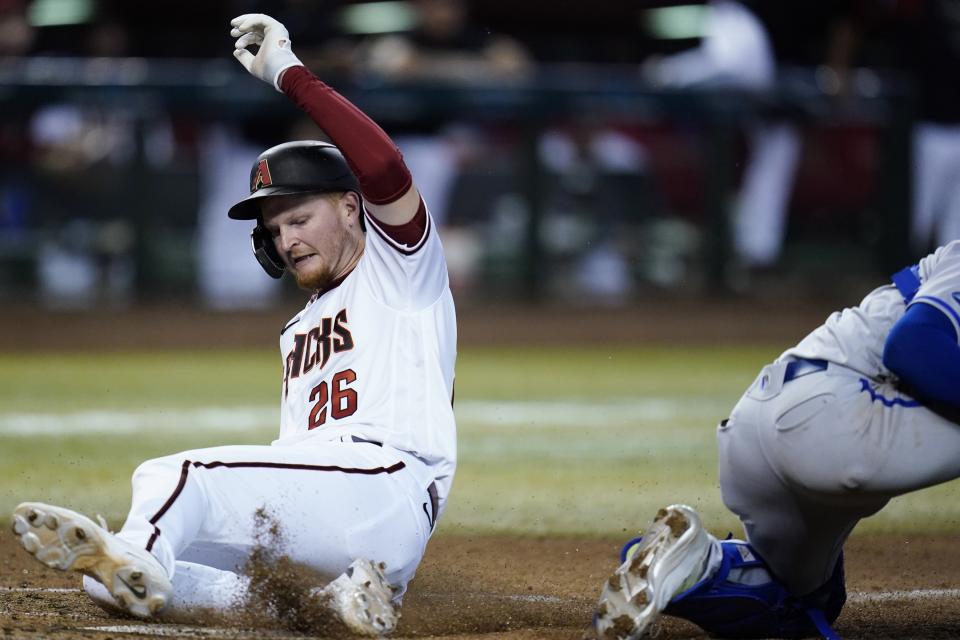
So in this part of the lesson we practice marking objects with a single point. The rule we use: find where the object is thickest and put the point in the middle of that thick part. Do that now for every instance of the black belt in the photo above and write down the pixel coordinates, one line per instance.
(799, 367)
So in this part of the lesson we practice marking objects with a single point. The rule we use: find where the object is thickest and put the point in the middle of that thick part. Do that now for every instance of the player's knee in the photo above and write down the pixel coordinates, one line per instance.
(848, 478)
(853, 479)
(157, 469)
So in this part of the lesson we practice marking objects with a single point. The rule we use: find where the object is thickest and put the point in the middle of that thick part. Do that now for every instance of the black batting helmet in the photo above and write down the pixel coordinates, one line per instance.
(304, 166)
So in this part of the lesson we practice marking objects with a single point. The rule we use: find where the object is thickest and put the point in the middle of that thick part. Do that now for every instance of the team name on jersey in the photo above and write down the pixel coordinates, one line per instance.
(314, 348)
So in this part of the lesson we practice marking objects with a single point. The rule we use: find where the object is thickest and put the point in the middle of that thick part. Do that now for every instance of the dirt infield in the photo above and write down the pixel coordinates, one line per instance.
(509, 588)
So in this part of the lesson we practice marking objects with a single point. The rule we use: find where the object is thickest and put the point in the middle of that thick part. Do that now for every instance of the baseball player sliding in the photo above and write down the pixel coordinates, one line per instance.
(865, 408)
(366, 454)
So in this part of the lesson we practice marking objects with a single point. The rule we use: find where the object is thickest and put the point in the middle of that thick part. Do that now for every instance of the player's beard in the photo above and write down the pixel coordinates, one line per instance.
(346, 246)
(318, 279)
(322, 276)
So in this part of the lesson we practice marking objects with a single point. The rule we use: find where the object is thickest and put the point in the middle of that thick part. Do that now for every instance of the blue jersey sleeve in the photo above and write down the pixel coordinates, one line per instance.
(923, 351)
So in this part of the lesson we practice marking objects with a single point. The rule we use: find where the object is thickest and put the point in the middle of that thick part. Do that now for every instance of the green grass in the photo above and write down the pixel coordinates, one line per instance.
(552, 441)
(154, 380)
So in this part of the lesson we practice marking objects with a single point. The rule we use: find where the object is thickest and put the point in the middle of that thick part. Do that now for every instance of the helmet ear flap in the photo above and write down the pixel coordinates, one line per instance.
(265, 252)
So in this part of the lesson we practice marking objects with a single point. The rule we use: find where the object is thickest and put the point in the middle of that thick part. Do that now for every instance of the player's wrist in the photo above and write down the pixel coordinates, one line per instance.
(285, 60)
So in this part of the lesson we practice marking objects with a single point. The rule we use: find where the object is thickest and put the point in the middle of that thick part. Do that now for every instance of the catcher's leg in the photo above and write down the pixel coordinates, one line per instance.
(803, 467)
(738, 594)
(678, 569)
(790, 526)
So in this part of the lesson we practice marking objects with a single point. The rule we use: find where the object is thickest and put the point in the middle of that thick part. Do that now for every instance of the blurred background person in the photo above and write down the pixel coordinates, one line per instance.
(599, 189)
(226, 277)
(17, 35)
(17, 205)
(410, 60)
(445, 47)
(745, 46)
(928, 35)
(83, 153)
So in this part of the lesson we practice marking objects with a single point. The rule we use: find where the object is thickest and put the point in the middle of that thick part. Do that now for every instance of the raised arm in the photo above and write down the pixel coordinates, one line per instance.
(385, 181)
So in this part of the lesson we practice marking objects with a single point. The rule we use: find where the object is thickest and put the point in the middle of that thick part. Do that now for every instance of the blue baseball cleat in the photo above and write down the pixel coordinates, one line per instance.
(667, 560)
(728, 608)
(663, 572)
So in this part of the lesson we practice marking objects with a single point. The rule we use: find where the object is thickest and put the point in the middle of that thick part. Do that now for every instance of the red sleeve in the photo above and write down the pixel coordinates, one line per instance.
(409, 233)
(371, 154)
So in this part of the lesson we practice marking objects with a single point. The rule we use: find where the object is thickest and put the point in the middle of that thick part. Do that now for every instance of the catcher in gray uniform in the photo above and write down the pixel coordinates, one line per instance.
(863, 409)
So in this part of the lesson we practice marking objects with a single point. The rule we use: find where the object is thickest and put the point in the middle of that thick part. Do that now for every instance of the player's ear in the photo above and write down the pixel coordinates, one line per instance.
(351, 203)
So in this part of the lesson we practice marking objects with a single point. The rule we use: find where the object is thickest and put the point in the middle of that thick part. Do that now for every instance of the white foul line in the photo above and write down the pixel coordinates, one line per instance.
(909, 594)
(504, 413)
(526, 597)
(38, 590)
(852, 597)
(182, 630)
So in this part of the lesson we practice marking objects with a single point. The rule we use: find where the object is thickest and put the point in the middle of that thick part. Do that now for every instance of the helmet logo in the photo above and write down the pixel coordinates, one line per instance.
(262, 177)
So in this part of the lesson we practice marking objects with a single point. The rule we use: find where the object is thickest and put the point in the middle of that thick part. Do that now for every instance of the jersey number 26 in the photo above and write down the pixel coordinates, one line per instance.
(342, 400)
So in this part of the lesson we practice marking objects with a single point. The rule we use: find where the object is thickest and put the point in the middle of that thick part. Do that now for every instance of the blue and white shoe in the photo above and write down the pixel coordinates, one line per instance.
(668, 560)
(743, 600)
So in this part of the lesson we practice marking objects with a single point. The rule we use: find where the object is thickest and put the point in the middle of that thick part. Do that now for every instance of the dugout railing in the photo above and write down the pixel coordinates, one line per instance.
(159, 202)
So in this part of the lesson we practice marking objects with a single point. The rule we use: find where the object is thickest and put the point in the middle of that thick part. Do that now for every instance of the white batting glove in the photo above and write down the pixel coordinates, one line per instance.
(275, 55)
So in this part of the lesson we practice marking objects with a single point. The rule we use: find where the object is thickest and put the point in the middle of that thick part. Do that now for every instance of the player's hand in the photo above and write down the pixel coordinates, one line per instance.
(275, 55)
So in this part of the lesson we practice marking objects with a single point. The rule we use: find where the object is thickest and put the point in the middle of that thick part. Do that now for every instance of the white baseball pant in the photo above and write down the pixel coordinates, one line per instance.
(335, 501)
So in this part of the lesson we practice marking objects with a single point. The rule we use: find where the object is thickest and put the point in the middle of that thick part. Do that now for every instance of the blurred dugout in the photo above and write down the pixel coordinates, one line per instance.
(568, 176)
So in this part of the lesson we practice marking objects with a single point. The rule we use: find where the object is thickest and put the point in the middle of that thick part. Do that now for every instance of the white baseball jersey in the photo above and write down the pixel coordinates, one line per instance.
(855, 337)
(374, 356)
(367, 441)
